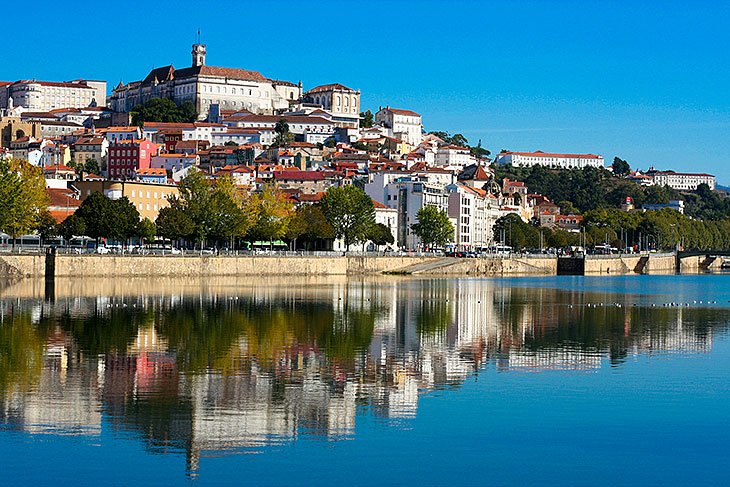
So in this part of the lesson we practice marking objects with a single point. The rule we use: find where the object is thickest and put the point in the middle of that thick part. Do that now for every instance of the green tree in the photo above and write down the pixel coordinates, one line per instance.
(380, 235)
(283, 136)
(97, 213)
(72, 226)
(174, 224)
(272, 210)
(234, 216)
(366, 119)
(308, 223)
(126, 220)
(146, 230)
(22, 197)
(350, 212)
(433, 227)
(91, 166)
(163, 110)
(620, 167)
(194, 199)
(47, 226)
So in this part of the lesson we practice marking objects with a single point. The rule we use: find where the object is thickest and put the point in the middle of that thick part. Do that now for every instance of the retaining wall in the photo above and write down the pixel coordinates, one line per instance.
(32, 265)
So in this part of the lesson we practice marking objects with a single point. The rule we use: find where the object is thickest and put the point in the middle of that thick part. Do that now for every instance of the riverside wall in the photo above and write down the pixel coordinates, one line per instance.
(66, 265)
(630, 264)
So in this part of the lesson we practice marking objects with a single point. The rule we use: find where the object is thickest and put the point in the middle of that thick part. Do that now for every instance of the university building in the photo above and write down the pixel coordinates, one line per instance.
(228, 88)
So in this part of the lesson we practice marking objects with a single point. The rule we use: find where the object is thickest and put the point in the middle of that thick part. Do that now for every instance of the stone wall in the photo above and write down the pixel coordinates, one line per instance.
(33, 265)
(496, 266)
(627, 264)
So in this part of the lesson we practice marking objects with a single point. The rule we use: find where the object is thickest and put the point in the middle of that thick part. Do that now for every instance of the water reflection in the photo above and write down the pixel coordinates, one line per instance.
(204, 367)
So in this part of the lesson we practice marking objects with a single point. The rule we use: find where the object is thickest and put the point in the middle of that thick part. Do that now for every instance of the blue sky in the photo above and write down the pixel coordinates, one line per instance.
(646, 81)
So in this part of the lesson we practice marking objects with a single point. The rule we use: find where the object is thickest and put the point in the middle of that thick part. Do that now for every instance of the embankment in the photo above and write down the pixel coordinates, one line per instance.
(90, 266)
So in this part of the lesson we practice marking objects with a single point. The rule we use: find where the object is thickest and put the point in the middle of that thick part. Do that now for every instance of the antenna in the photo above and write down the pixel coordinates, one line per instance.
(198, 36)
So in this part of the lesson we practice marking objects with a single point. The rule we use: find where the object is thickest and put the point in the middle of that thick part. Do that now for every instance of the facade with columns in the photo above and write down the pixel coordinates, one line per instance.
(229, 88)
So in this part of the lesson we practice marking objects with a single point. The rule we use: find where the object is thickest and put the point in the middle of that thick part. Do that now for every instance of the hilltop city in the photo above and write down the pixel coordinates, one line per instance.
(151, 140)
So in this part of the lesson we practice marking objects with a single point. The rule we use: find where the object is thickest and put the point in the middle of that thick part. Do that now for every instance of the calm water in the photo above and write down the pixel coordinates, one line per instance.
(563, 380)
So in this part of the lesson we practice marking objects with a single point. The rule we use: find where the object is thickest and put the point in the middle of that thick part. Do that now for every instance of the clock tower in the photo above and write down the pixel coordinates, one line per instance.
(198, 55)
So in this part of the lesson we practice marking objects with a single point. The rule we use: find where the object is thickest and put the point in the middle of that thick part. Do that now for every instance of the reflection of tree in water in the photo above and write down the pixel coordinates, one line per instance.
(102, 331)
(21, 352)
(558, 319)
(434, 311)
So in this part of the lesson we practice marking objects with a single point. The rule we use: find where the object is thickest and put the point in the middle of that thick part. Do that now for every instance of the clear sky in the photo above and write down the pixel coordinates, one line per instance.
(645, 81)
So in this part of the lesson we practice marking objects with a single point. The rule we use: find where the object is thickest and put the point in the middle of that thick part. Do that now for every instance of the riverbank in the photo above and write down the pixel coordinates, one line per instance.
(71, 265)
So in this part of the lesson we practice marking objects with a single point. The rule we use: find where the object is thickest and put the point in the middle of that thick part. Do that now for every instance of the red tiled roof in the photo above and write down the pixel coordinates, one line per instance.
(547, 154)
(299, 175)
(334, 86)
(403, 112)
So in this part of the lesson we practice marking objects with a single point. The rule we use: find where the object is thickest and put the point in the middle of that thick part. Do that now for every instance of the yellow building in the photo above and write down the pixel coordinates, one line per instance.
(148, 198)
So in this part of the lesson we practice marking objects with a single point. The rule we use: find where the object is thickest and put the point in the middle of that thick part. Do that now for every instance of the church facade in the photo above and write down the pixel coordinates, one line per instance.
(229, 88)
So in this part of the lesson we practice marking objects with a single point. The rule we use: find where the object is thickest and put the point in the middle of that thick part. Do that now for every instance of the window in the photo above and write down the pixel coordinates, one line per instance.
(148, 195)
(132, 193)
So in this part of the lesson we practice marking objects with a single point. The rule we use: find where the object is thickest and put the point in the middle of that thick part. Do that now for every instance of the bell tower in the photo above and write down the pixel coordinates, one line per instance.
(198, 55)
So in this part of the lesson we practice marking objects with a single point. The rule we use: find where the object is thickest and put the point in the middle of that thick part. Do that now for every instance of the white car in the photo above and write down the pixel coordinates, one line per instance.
(102, 250)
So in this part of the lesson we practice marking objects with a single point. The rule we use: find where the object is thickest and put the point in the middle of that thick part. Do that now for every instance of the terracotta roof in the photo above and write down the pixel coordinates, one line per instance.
(684, 174)
(276, 118)
(379, 205)
(403, 112)
(150, 171)
(54, 83)
(299, 175)
(548, 154)
(58, 167)
(334, 86)
(234, 73)
(122, 129)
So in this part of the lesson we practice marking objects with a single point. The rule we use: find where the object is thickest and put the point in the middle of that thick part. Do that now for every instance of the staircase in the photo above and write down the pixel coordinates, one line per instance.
(641, 265)
(429, 265)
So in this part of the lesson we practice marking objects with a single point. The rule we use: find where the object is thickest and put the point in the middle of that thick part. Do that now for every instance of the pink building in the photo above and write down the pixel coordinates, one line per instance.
(126, 156)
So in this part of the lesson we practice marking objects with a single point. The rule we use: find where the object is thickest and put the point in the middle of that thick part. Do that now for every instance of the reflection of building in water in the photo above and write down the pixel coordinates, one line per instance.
(256, 365)
(66, 399)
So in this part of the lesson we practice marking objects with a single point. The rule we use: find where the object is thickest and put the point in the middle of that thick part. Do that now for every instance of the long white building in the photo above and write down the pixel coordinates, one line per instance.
(229, 88)
(403, 124)
(539, 158)
(42, 96)
(683, 181)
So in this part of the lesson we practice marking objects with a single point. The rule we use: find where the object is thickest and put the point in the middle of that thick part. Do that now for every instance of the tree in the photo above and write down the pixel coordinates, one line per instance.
(104, 217)
(308, 223)
(97, 213)
(283, 136)
(380, 235)
(433, 227)
(23, 197)
(272, 210)
(126, 220)
(234, 216)
(47, 226)
(194, 199)
(91, 166)
(71, 227)
(366, 119)
(174, 224)
(567, 208)
(350, 212)
(479, 151)
(146, 230)
(620, 167)
(230, 143)
(163, 110)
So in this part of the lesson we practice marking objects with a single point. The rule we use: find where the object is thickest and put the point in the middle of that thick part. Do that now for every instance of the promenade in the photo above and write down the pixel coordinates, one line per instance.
(319, 264)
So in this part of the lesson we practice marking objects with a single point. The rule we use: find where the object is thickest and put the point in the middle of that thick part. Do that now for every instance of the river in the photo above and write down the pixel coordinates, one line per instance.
(362, 381)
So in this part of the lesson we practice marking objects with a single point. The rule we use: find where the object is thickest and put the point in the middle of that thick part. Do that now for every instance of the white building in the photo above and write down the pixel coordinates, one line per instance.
(402, 124)
(229, 88)
(43, 96)
(312, 129)
(475, 211)
(341, 102)
(408, 195)
(683, 181)
(454, 157)
(388, 217)
(539, 158)
(174, 162)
